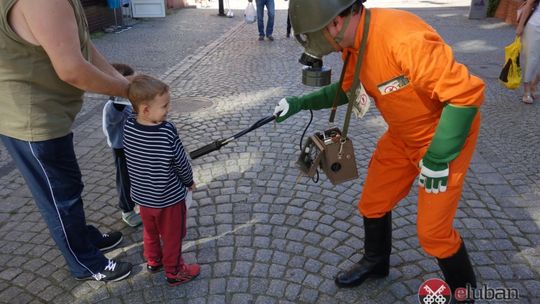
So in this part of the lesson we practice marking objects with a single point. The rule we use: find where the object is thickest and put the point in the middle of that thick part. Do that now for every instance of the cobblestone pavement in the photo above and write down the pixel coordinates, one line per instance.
(259, 236)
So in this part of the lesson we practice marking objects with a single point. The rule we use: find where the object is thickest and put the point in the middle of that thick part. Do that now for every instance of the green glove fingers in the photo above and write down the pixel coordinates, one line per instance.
(449, 138)
(320, 99)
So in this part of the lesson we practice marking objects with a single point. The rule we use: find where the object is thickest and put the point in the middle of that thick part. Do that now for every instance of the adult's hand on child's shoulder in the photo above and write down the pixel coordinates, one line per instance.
(130, 77)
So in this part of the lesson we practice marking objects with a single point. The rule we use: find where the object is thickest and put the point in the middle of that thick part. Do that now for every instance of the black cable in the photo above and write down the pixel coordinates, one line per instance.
(315, 178)
(305, 130)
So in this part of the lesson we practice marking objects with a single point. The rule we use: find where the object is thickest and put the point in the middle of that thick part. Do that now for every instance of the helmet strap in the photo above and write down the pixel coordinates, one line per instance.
(334, 41)
(341, 34)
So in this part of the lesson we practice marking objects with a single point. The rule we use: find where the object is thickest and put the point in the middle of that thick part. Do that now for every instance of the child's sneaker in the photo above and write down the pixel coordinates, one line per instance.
(153, 268)
(109, 240)
(132, 218)
(187, 273)
(114, 271)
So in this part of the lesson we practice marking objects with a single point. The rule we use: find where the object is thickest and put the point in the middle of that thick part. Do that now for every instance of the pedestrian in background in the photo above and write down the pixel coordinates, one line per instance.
(529, 28)
(161, 176)
(431, 105)
(271, 12)
(288, 24)
(115, 113)
(47, 61)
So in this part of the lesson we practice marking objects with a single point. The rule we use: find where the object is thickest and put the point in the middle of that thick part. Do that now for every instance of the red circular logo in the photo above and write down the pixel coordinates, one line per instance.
(363, 99)
(434, 291)
(389, 89)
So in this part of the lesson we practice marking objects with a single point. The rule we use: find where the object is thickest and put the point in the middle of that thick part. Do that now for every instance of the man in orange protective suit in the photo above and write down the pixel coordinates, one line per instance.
(430, 103)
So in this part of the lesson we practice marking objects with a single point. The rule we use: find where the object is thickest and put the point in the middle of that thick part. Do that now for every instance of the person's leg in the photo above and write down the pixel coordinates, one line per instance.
(288, 25)
(389, 179)
(435, 219)
(122, 181)
(151, 237)
(436, 212)
(52, 173)
(172, 226)
(260, 17)
(270, 6)
(391, 173)
(530, 60)
(123, 187)
(534, 85)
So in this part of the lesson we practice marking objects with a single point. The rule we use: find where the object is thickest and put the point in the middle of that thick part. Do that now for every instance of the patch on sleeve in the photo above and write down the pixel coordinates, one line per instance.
(393, 85)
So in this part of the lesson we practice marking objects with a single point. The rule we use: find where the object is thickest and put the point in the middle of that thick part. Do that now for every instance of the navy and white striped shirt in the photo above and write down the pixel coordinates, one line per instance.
(158, 167)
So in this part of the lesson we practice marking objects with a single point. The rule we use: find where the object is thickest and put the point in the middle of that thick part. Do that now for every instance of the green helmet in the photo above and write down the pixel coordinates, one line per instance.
(312, 15)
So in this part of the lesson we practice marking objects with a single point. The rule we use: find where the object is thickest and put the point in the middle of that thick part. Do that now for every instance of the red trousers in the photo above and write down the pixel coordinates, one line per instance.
(168, 226)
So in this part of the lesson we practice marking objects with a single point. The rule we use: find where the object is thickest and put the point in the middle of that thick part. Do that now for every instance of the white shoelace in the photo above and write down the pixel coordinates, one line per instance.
(110, 267)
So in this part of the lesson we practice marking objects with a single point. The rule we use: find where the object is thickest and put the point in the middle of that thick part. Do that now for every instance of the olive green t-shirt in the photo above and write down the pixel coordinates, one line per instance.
(35, 105)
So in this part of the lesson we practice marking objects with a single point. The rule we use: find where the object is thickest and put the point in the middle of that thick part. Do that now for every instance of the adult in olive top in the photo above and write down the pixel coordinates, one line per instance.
(47, 61)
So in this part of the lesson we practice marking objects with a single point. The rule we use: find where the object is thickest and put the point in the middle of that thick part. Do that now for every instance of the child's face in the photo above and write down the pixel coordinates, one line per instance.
(156, 112)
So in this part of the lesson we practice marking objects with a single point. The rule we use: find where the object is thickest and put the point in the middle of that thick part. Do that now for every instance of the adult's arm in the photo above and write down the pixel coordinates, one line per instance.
(525, 13)
(52, 25)
(317, 100)
(99, 61)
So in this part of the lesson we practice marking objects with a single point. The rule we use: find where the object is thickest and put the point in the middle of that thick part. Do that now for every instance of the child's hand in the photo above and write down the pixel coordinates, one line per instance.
(193, 187)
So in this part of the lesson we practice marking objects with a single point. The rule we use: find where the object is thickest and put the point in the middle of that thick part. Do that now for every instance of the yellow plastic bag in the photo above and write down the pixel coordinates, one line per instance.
(511, 72)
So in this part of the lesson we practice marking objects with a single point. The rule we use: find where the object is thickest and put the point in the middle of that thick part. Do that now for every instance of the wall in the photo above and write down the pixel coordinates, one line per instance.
(99, 15)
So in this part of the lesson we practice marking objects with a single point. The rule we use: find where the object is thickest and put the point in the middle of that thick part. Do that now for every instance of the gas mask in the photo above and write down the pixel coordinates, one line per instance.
(321, 43)
(316, 45)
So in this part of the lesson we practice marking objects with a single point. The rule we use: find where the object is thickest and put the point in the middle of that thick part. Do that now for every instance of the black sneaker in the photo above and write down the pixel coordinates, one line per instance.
(154, 269)
(270, 38)
(261, 38)
(110, 240)
(114, 271)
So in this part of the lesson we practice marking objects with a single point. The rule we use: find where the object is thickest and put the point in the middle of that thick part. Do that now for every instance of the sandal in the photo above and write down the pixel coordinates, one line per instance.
(527, 99)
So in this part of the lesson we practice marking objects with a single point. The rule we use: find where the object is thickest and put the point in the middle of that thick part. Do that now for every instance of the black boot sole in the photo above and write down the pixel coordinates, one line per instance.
(360, 281)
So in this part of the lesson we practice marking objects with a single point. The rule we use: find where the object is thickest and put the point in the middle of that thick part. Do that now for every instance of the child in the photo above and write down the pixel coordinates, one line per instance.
(161, 177)
(115, 113)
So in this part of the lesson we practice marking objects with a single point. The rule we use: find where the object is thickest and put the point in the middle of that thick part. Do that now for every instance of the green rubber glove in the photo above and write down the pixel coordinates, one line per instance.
(449, 138)
(321, 99)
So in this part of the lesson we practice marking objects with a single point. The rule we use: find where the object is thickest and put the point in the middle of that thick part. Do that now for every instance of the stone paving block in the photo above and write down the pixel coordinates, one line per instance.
(297, 262)
(242, 298)
(258, 286)
(196, 288)
(10, 273)
(312, 238)
(292, 291)
(294, 247)
(237, 284)
(242, 268)
(329, 243)
(277, 271)
(222, 269)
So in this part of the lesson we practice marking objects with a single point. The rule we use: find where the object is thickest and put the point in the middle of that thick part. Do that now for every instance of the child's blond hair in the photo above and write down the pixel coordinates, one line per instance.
(143, 89)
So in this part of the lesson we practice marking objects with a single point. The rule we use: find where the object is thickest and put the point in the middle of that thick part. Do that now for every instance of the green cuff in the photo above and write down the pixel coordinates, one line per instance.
(320, 99)
(451, 133)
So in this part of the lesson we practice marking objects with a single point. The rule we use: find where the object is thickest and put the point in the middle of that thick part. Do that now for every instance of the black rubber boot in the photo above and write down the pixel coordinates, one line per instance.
(376, 260)
(458, 272)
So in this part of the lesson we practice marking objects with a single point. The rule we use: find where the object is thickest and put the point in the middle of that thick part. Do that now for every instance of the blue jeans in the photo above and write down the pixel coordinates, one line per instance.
(52, 173)
(260, 15)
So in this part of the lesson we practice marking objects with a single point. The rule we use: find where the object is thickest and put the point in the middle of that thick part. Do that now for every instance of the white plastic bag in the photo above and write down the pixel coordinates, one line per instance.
(250, 15)
(189, 199)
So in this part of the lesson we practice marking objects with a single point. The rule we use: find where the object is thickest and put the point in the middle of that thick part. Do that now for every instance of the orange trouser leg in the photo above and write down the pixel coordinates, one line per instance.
(436, 212)
(389, 178)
